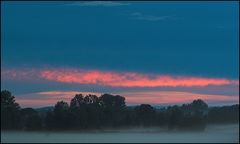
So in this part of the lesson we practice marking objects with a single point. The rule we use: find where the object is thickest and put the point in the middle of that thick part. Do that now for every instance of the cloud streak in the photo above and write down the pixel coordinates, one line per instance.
(128, 79)
(140, 16)
(47, 98)
(174, 97)
(98, 4)
(113, 79)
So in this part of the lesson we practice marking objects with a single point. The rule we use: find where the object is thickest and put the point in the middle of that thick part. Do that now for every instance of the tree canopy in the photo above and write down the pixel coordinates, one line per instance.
(107, 110)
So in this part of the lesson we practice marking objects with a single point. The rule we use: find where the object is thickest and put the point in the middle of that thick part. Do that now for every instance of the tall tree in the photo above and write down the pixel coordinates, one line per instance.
(112, 108)
(61, 115)
(78, 111)
(199, 105)
(10, 111)
(93, 110)
(77, 101)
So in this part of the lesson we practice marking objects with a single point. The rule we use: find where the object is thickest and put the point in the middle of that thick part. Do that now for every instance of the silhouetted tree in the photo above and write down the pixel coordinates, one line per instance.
(224, 114)
(161, 117)
(129, 117)
(175, 115)
(10, 111)
(49, 121)
(77, 101)
(196, 107)
(199, 106)
(91, 99)
(78, 112)
(195, 115)
(112, 109)
(61, 115)
(30, 119)
(93, 110)
(145, 115)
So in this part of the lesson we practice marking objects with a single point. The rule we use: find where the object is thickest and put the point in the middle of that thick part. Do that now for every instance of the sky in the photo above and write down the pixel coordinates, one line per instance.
(149, 52)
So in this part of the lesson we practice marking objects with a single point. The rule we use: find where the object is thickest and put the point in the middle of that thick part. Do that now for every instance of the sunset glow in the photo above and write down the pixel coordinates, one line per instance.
(153, 97)
(115, 79)
(148, 52)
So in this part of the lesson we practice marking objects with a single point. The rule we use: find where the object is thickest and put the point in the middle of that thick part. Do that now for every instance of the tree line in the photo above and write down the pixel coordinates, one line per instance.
(110, 111)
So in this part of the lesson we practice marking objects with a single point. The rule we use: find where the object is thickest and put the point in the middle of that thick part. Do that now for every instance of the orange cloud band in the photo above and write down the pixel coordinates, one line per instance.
(127, 79)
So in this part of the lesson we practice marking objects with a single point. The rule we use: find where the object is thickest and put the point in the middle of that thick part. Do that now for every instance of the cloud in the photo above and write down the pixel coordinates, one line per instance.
(127, 79)
(64, 94)
(99, 3)
(112, 79)
(140, 16)
(174, 97)
(48, 98)
(20, 74)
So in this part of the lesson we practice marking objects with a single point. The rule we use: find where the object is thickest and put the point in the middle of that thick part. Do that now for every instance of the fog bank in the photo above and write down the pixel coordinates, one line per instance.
(213, 133)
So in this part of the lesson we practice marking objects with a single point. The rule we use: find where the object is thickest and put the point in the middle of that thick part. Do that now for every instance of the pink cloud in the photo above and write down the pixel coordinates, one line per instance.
(113, 79)
(21, 74)
(117, 79)
(47, 98)
(154, 97)
(174, 97)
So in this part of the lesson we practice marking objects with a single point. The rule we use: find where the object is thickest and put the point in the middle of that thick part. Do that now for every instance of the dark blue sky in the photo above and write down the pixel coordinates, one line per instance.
(188, 38)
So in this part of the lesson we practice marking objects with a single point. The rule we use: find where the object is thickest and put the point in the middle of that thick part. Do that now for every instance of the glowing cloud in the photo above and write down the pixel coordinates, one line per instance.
(20, 74)
(113, 79)
(127, 79)
(48, 98)
(174, 97)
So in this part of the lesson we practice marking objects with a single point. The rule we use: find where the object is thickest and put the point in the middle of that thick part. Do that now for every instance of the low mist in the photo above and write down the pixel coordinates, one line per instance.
(228, 133)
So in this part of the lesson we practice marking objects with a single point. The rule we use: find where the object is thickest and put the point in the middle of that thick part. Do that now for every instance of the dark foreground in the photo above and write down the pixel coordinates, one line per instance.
(213, 133)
